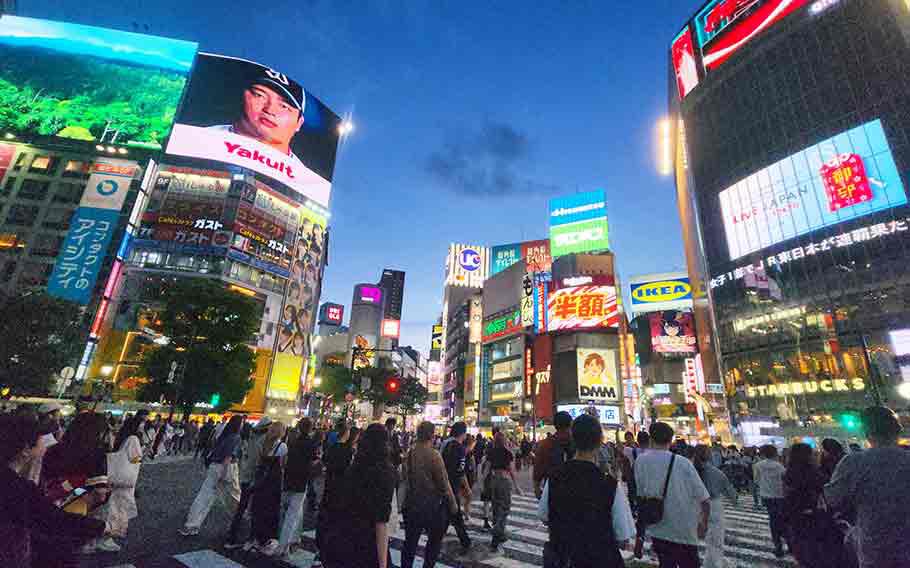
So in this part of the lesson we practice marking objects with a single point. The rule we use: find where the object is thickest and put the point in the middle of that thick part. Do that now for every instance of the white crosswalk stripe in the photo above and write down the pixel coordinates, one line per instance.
(748, 542)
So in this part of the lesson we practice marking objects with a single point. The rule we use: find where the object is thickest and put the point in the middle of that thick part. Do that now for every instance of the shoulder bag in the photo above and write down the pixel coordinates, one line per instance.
(651, 509)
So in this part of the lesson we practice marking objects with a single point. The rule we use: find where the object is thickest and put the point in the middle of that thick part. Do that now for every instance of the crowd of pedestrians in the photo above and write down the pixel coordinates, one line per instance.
(68, 489)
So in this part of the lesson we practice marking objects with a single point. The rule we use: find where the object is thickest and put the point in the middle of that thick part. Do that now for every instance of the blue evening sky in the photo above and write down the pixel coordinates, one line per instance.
(469, 116)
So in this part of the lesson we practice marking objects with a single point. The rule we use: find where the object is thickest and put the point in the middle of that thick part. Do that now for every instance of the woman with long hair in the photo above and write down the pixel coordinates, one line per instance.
(502, 472)
(123, 472)
(267, 487)
(221, 477)
(359, 533)
(810, 526)
(718, 485)
(33, 530)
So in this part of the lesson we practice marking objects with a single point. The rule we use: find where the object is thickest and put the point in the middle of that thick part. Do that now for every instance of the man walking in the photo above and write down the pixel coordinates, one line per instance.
(769, 476)
(587, 512)
(454, 457)
(660, 474)
(876, 484)
(553, 452)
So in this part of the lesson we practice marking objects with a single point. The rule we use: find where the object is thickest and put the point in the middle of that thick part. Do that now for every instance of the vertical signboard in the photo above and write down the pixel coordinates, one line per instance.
(91, 230)
(467, 266)
(682, 53)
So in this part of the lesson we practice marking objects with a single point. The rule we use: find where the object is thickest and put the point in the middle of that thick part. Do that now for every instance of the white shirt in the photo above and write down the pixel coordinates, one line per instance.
(685, 494)
(623, 523)
(769, 475)
(633, 453)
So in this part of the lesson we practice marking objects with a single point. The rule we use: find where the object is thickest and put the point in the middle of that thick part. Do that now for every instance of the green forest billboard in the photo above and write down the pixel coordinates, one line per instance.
(87, 83)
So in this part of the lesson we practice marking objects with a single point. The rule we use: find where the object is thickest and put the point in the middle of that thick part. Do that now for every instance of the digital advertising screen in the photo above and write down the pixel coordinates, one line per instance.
(537, 255)
(243, 113)
(502, 326)
(578, 207)
(843, 177)
(597, 376)
(682, 53)
(725, 26)
(578, 223)
(582, 307)
(672, 332)
(88, 83)
(504, 256)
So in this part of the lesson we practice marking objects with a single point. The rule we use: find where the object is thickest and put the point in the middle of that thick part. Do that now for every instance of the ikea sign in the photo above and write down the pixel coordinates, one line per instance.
(668, 293)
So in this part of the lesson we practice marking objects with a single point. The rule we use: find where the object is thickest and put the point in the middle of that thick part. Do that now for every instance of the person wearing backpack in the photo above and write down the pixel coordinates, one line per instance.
(554, 451)
(673, 501)
(587, 512)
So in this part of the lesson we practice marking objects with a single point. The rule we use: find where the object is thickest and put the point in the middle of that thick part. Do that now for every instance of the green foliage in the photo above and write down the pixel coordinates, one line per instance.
(55, 94)
(409, 399)
(209, 328)
(41, 335)
(336, 381)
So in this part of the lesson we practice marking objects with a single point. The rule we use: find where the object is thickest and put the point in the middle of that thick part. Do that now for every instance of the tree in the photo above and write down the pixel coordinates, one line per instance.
(40, 334)
(208, 328)
(410, 397)
(336, 382)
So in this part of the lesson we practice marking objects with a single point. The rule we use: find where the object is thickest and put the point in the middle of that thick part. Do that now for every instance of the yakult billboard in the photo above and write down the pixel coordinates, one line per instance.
(243, 113)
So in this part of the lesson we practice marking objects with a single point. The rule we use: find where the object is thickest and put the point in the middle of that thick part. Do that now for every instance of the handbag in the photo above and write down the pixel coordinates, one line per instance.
(651, 509)
(422, 510)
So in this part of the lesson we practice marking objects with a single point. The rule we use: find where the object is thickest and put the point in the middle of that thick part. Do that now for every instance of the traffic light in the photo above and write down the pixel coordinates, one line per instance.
(216, 398)
(849, 421)
(393, 386)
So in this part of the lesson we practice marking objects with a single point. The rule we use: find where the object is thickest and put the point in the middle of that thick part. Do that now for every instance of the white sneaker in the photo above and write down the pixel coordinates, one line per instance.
(270, 548)
(108, 545)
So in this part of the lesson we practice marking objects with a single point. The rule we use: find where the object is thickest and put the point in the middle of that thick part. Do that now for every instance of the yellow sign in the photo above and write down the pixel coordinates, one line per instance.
(806, 387)
(662, 291)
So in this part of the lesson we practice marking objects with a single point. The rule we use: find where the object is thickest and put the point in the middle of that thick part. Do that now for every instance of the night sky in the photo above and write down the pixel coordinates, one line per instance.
(469, 116)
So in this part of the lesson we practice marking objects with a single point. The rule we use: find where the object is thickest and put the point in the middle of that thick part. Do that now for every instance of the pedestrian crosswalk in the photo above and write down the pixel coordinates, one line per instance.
(748, 544)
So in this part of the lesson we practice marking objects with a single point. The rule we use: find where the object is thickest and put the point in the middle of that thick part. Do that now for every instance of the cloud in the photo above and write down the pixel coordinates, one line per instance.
(485, 162)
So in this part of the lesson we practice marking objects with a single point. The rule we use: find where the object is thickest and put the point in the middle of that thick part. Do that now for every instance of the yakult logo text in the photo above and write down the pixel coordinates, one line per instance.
(278, 165)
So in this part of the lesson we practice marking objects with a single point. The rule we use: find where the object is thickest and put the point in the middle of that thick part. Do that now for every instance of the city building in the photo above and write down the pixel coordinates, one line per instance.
(789, 138)
(110, 212)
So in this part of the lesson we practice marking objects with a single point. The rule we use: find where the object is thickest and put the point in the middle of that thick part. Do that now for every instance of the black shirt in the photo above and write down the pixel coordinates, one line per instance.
(581, 515)
(301, 455)
(455, 458)
(500, 458)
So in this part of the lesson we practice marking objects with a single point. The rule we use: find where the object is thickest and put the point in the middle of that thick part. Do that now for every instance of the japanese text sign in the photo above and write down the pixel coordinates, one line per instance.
(583, 307)
(82, 254)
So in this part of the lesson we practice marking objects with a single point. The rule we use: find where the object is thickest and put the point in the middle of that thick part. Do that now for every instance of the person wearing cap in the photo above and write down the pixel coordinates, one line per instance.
(876, 484)
(272, 111)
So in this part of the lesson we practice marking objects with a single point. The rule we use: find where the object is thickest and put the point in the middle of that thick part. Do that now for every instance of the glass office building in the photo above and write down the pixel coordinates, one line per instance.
(791, 120)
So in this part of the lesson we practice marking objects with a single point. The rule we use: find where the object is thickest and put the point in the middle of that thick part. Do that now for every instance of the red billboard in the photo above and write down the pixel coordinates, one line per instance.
(537, 255)
(543, 385)
(725, 26)
(682, 53)
(582, 307)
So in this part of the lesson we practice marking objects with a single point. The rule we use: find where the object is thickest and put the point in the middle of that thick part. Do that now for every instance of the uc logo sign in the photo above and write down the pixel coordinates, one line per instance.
(469, 260)
(107, 187)
(662, 291)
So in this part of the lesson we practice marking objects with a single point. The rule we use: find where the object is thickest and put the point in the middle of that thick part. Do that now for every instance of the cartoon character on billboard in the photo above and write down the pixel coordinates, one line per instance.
(594, 367)
(271, 111)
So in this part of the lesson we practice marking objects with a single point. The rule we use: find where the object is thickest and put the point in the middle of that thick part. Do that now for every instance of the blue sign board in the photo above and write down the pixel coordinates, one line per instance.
(578, 207)
(504, 256)
(469, 259)
(245, 258)
(82, 254)
(170, 246)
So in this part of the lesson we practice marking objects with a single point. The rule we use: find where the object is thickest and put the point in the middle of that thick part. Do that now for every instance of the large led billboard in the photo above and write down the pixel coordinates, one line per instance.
(536, 255)
(578, 223)
(87, 83)
(597, 376)
(724, 26)
(843, 177)
(682, 53)
(243, 113)
(672, 332)
(582, 307)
